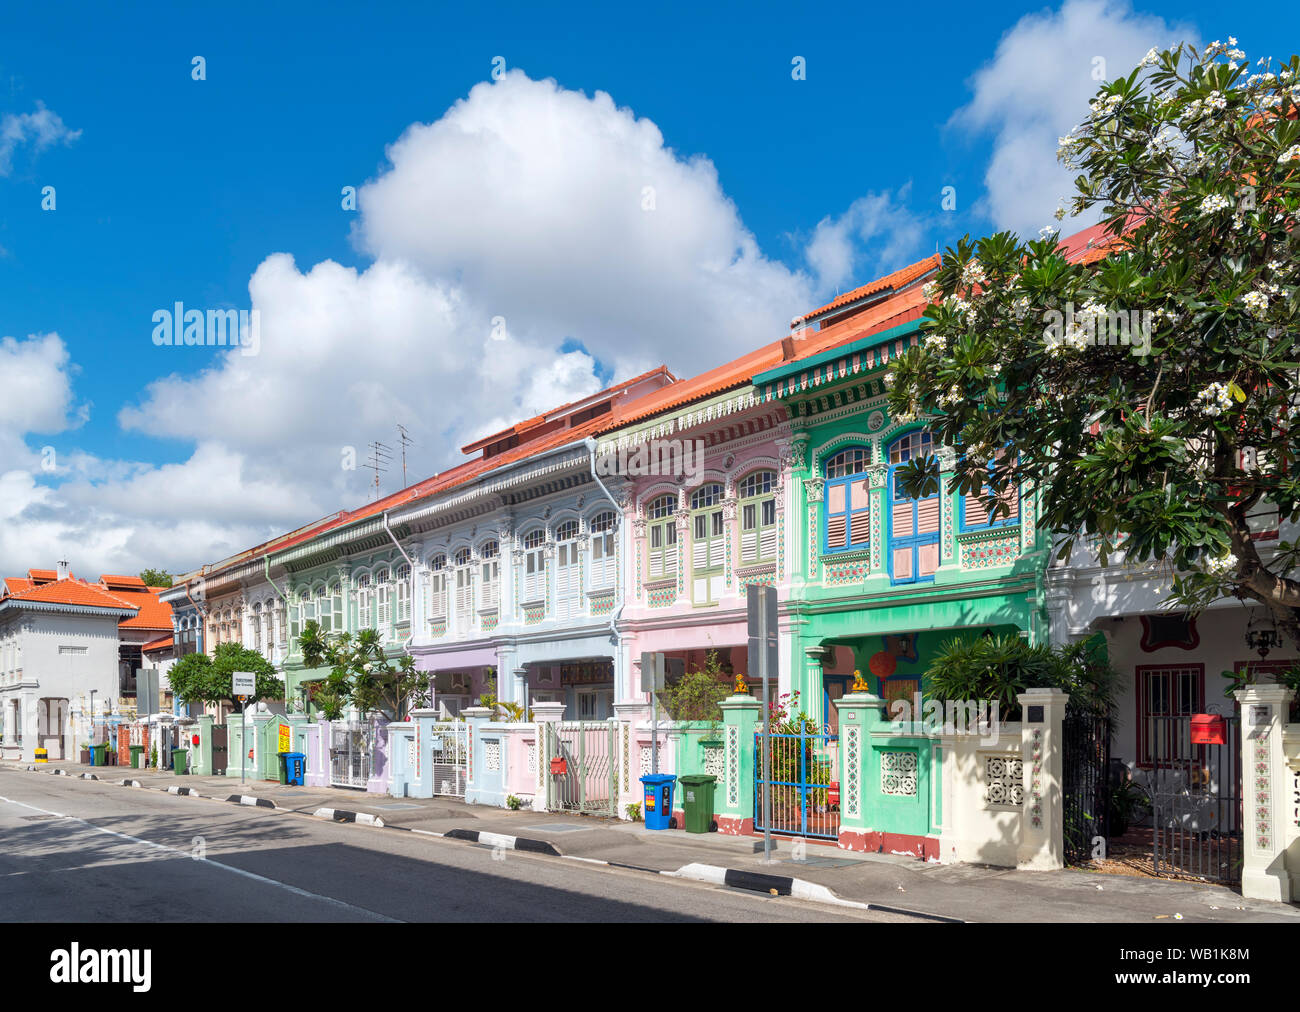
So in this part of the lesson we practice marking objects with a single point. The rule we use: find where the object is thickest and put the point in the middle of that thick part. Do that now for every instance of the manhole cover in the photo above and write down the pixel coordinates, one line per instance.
(396, 808)
(560, 827)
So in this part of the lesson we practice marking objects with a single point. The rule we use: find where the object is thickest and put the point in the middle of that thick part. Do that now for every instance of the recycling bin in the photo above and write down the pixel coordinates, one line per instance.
(136, 752)
(697, 800)
(179, 757)
(98, 755)
(296, 767)
(658, 806)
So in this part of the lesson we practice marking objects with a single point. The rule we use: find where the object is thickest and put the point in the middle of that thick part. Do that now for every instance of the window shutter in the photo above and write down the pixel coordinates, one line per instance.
(927, 516)
(860, 527)
(977, 512)
(835, 530)
(767, 544)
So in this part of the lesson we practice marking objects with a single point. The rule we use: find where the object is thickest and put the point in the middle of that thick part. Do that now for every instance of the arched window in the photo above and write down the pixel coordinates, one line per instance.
(365, 601)
(534, 588)
(568, 590)
(490, 591)
(436, 610)
(708, 544)
(324, 613)
(603, 568)
(757, 494)
(383, 603)
(663, 537)
(402, 577)
(257, 627)
(846, 501)
(464, 590)
(914, 523)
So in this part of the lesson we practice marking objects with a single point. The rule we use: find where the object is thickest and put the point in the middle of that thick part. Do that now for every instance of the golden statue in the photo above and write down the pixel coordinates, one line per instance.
(860, 684)
(742, 688)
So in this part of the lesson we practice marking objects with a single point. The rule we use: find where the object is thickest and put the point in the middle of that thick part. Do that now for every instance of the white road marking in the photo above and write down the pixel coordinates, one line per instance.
(230, 868)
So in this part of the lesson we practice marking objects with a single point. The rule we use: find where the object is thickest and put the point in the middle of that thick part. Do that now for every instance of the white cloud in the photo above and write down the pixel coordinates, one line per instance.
(524, 201)
(878, 224)
(41, 129)
(1037, 87)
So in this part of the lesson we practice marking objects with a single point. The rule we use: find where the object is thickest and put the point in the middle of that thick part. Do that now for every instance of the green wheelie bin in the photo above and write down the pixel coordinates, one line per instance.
(697, 802)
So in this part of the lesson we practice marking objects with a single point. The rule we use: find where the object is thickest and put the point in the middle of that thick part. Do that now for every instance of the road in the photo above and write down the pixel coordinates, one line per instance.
(78, 851)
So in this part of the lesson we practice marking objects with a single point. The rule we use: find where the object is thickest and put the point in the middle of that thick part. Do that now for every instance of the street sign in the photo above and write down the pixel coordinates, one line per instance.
(243, 683)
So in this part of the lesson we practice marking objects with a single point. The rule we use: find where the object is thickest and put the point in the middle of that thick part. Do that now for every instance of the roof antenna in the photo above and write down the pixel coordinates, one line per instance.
(406, 441)
(379, 456)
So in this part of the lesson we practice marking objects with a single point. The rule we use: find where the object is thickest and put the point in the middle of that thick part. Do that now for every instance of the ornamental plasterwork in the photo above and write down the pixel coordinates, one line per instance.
(813, 488)
(878, 475)
(875, 421)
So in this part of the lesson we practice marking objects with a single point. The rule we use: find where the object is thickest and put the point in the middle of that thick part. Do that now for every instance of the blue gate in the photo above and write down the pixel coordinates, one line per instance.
(803, 778)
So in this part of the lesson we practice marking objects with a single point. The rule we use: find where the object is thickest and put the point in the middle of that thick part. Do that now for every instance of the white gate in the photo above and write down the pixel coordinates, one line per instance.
(452, 756)
(352, 749)
(583, 778)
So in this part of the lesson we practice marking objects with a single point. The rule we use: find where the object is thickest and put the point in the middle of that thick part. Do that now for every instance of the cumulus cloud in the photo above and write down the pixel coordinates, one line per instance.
(877, 228)
(527, 245)
(1037, 87)
(40, 129)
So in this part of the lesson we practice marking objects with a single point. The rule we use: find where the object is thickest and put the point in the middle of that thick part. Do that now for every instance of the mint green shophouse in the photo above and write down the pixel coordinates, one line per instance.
(881, 581)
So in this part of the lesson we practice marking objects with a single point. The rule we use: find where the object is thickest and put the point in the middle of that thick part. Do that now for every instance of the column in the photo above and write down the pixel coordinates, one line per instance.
(1265, 779)
(544, 714)
(735, 795)
(859, 714)
(1042, 844)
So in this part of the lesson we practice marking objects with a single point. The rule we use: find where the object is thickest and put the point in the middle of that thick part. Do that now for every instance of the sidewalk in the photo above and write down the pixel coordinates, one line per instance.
(964, 892)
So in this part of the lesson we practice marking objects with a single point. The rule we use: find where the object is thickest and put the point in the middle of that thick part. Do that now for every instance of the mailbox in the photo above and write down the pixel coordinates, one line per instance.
(1209, 729)
(559, 766)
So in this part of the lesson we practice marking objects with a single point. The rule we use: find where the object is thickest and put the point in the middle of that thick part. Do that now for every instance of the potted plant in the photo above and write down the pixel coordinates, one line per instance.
(85, 753)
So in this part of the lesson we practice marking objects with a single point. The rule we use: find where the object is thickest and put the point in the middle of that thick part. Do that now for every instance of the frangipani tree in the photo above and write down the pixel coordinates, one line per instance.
(1164, 430)
(361, 673)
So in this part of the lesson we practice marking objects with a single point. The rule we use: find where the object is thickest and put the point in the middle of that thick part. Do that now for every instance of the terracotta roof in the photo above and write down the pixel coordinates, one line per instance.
(152, 614)
(890, 282)
(162, 643)
(42, 575)
(114, 582)
(73, 592)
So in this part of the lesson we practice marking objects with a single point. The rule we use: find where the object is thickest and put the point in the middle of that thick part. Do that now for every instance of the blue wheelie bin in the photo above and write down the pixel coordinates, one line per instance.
(295, 766)
(658, 806)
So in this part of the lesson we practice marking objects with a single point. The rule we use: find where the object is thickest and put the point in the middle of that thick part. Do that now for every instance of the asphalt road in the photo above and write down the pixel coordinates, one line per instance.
(78, 851)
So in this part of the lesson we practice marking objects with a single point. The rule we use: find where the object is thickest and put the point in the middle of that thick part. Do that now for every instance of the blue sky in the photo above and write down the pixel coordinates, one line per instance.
(170, 189)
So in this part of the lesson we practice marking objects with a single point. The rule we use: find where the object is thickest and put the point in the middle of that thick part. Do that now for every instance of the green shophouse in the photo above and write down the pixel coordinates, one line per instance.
(884, 576)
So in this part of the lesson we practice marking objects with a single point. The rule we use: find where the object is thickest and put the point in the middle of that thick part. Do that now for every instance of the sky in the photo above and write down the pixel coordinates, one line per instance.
(451, 217)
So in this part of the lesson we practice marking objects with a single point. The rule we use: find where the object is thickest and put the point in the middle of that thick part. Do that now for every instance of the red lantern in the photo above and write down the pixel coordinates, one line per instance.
(1209, 729)
(882, 665)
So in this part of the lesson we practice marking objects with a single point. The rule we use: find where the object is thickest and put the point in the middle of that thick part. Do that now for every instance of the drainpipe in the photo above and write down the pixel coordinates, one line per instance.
(618, 582)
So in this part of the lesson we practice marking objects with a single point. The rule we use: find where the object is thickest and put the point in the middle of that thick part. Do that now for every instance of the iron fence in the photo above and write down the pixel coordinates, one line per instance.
(584, 753)
(1085, 784)
(450, 746)
(801, 781)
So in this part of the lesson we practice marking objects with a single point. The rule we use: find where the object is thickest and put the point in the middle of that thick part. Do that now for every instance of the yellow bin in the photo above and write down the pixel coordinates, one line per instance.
(42, 755)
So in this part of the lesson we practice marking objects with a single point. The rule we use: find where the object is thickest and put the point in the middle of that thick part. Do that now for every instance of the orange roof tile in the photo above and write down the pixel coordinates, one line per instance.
(72, 592)
(152, 614)
(114, 582)
(162, 643)
(890, 282)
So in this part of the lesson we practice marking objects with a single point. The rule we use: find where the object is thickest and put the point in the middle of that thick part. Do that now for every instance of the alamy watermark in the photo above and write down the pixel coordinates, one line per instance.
(951, 716)
(179, 327)
(1093, 325)
(675, 458)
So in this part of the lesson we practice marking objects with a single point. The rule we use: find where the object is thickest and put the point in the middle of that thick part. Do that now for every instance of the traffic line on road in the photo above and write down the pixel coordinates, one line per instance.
(306, 894)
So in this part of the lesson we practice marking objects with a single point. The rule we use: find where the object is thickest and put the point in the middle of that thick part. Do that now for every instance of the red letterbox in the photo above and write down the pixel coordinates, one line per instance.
(1209, 729)
(559, 767)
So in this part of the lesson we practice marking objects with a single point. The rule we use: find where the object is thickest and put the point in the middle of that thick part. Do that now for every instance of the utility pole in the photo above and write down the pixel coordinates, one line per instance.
(380, 455)
(405, 441)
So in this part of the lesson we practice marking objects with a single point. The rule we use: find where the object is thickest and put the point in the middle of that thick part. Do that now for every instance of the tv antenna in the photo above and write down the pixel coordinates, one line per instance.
(380, 455)
(405, 441)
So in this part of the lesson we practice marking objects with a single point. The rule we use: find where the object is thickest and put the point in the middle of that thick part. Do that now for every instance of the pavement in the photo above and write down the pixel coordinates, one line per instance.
(881, 882)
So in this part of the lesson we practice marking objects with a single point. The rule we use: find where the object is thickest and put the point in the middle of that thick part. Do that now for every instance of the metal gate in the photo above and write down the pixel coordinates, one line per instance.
(220, 749)
(351, 752)
(1085, 784)
(583, 776)
(1196, 817)
(450, 746)
(801, 769)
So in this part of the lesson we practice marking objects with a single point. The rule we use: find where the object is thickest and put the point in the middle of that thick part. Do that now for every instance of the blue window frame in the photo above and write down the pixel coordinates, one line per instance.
(846, 501)
(975, 512)
(913, 523)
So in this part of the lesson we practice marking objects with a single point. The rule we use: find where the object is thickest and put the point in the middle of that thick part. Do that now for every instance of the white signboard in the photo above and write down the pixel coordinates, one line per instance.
(243, 683)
